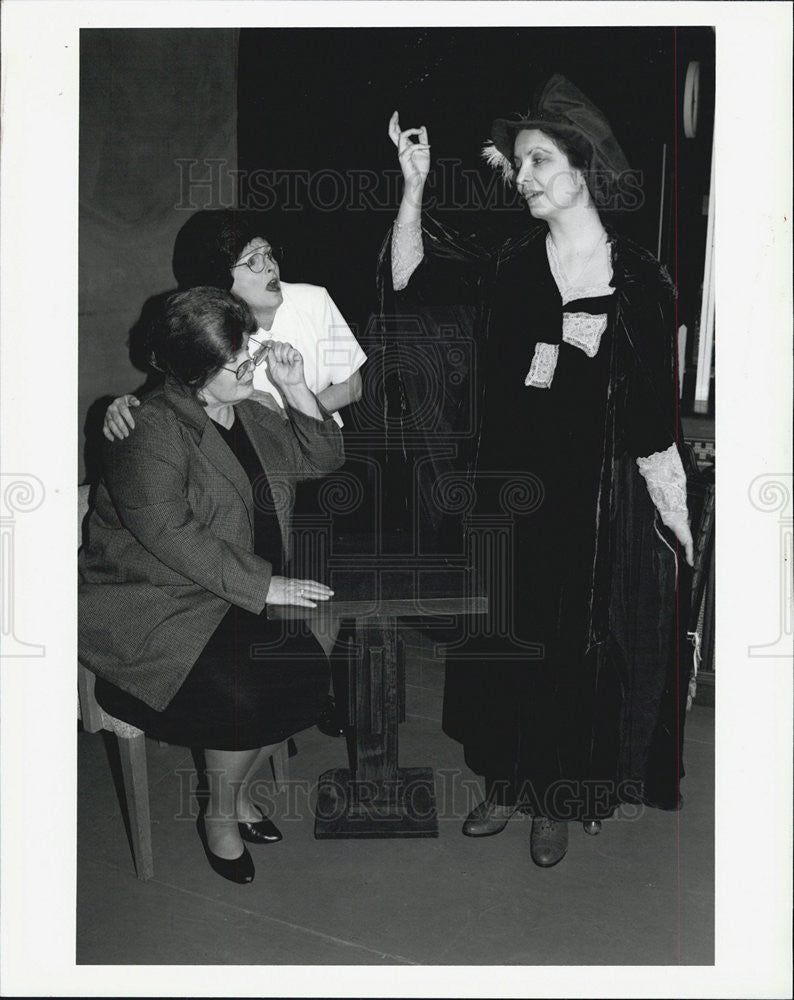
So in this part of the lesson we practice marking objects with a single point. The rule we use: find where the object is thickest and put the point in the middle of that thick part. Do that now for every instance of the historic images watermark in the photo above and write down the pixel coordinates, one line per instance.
(20, 493)
(456, 794)
(773, 494)
(212, 183)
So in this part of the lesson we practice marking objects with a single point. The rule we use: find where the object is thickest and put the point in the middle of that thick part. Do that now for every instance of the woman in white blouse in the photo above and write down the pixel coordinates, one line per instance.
(225, 249)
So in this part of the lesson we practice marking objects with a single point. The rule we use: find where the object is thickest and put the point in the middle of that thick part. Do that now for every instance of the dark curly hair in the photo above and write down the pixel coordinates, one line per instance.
(209, 244)
(197, 332)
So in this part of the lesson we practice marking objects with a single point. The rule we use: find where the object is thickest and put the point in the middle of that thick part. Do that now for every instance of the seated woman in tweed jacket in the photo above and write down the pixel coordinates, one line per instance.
(188, 543)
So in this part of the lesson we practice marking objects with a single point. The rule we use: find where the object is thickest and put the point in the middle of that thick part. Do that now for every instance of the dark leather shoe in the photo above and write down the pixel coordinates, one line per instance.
(331, 722)
(240, 870)
(264, 831)
(592, 826)
(486, 819)
(548, 841)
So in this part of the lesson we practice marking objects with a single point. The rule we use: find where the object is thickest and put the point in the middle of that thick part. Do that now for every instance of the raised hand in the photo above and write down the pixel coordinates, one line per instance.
(414, 157)
(285, 365)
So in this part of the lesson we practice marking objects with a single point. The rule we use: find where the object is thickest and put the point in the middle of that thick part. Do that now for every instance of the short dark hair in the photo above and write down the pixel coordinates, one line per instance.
(209, 243)
(197, 332)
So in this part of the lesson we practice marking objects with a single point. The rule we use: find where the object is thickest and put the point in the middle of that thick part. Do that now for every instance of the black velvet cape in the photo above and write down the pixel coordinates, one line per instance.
(629, 691)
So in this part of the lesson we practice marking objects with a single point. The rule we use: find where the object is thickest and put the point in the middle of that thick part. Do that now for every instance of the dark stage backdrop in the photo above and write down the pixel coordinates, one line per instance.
(313, 149)
(315, 157)
(149, 99)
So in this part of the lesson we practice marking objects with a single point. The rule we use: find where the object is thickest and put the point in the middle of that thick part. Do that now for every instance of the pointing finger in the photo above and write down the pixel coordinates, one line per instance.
(394, 127)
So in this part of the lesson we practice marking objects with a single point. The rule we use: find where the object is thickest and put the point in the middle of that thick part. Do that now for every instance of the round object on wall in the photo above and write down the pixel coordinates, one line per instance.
(691, 99)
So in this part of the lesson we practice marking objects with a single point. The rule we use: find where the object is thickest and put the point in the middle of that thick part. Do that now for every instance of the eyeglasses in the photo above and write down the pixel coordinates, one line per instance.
(254, 361)
(256, 262)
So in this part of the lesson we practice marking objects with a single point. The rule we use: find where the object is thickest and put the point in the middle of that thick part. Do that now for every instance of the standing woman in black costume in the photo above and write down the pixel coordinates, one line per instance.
(577, 705)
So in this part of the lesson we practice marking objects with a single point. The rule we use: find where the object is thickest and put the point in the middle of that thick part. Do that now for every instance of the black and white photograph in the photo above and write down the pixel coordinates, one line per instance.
(409, 616)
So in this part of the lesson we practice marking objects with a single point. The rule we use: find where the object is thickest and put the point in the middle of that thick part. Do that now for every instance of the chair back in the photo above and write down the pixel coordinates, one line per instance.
(90, 712)
(83, 495)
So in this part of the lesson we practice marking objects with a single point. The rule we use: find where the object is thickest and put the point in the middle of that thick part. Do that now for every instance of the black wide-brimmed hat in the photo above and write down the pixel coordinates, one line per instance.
(561, 105)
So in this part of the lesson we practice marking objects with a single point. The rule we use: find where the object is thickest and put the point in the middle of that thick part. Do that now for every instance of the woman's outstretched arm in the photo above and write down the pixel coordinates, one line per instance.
(414, 157)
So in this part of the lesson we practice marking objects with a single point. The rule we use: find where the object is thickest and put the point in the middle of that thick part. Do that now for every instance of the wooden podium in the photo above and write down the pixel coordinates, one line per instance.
(377, 797)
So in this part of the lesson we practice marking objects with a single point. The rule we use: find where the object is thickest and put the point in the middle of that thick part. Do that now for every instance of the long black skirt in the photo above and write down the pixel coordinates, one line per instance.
(537, 715)
(255, 683)
(562, 730)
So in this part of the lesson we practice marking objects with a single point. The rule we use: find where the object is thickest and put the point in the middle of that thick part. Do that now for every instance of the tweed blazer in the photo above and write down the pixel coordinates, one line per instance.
(170, 537)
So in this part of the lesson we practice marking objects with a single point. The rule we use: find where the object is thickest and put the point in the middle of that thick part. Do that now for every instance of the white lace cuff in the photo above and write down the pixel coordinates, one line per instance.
(584, 331)
(544, 364)
(407, 252)
(666, 480)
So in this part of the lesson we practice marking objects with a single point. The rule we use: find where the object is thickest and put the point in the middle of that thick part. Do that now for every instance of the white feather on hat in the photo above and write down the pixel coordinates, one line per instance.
(498, 161)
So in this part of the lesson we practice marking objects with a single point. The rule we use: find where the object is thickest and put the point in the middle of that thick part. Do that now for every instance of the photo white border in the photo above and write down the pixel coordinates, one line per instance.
(38, 407)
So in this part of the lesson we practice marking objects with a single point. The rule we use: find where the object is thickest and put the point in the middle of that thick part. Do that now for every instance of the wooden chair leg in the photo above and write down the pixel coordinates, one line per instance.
(280, 761)
(90, 712)
(136, 792)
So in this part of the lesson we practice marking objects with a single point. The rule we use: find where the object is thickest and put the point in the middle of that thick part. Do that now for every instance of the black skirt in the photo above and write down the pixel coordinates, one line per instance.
(256, 681)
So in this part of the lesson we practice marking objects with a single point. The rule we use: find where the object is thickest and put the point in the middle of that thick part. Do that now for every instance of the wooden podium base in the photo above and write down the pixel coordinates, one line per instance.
(378, 799)
(349, 808)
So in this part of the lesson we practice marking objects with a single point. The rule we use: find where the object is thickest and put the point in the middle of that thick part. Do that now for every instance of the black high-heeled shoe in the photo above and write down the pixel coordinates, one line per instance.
(332, 721)
(264, 831)
(240, 870)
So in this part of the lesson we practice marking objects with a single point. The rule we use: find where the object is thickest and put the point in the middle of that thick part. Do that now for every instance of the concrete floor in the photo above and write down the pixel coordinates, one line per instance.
(640, 893)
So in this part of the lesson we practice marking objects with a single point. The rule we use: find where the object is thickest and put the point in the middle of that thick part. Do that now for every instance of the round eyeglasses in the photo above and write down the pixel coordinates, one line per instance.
(254, 361)
(256, 261)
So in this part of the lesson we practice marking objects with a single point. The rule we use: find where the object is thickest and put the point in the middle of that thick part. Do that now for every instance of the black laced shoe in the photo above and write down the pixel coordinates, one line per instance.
(486, 819)
(548, 841)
